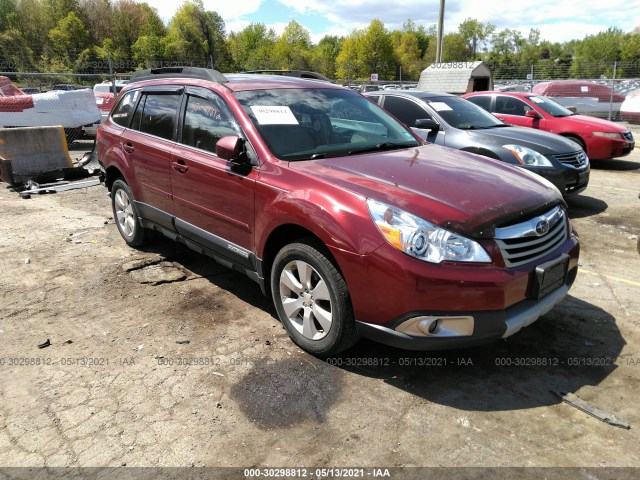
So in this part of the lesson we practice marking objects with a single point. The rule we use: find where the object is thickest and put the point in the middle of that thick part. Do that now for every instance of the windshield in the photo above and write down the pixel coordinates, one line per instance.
(310, 123)
(551, 107)
(461, 113)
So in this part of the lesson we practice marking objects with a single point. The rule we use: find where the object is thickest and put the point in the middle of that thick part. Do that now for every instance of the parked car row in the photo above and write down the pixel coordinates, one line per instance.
(454, 122)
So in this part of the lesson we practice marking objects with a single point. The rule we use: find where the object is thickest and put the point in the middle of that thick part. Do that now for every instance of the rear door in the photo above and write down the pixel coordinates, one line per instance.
(513, 111)
(214, 198)
(148, 143)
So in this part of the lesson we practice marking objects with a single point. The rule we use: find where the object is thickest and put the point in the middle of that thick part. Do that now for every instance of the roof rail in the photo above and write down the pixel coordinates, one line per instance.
(293, 73)
(179, 72)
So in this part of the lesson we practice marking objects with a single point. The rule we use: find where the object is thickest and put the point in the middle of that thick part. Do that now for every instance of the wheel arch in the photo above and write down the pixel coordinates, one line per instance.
(283, 235)
(577, 138)
(112, 174)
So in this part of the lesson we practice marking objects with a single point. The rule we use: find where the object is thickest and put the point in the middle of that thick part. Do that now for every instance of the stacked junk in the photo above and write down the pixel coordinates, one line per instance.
(36, 160)
(34, 157)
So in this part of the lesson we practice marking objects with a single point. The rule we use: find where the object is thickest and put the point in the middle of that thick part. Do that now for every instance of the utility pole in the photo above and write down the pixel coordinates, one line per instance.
(440, 33)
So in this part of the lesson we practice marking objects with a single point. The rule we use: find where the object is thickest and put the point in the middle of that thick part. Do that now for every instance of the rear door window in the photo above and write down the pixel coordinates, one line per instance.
(123, 112)
(158, 114)
(483, 101)
(404, 110)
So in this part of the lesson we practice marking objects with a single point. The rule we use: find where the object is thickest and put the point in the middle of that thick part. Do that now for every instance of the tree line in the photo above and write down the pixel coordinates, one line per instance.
(83, 36)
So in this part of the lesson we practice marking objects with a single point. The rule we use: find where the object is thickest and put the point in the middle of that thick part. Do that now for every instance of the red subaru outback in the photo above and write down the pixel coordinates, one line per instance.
(350, 222)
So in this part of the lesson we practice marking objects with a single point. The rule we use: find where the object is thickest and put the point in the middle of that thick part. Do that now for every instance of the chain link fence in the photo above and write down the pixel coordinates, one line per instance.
(602, 89)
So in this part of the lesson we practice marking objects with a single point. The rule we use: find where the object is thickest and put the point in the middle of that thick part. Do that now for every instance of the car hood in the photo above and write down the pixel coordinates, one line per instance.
(593, 122)
(461, 191)
(542, 142)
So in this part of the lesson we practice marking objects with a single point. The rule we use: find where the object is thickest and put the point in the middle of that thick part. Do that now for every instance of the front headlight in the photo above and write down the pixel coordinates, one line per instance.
(614, 135)
(421, 239)
(528, 157)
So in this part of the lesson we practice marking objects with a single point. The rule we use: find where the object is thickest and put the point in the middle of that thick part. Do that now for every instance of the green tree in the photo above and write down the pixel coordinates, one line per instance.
(15, 51)
(324, 55)
(67, 40)
(474, 33)
(630, 47)
(407, 51)
(7, 13)
(98, 17)
(252, 47)
(596, 52)
(57, 10)
(375, 51)
(198, 36)
(293, 47)
(348, 63)
(132, 19)
(149, 50)
(455, 48)
(422, 34)
(32, 21)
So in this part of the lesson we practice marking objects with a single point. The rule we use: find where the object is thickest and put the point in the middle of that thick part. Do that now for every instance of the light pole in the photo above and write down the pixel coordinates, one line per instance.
(440, 33)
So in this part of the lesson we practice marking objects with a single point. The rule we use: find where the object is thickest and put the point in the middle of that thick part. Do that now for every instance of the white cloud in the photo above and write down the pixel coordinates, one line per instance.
(229, 10)
(558, 20)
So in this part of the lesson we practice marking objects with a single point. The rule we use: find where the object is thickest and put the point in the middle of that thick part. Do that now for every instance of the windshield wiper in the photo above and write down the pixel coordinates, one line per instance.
(382, 146)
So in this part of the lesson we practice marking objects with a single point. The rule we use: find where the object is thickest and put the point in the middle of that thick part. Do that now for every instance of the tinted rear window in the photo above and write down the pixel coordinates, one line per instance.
(159, 114)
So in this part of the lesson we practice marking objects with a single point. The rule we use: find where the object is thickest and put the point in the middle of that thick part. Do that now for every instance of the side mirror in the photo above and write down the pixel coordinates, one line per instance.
(230, 148)
(532, 114)
(427, 124)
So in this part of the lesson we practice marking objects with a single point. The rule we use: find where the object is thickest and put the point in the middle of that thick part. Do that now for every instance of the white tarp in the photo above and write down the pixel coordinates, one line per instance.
(70, 109)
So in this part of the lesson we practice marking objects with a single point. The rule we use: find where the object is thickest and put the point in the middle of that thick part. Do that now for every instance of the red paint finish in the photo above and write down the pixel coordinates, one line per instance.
(327, 196)
(16, 104)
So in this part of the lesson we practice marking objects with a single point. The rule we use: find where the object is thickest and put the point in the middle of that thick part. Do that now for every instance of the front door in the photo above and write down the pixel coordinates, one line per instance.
(213, 198)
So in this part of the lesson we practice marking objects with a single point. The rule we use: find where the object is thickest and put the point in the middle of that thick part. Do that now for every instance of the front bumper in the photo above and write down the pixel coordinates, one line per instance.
(489, 326)
(569, 180)
(475, 304)
(601, 148)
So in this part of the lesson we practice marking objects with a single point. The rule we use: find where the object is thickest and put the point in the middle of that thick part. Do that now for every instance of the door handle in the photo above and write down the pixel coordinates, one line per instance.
(128, 147)
(180, 166)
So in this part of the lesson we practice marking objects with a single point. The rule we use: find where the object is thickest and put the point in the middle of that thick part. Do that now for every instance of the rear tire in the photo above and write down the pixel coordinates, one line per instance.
(312, 299)
(126, 215)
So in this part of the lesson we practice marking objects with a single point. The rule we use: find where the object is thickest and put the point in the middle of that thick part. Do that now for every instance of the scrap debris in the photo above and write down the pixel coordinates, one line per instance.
(577, 402)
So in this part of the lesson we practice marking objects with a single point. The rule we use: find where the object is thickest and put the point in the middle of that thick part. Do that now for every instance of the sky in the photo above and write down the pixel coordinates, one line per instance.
(557, 20)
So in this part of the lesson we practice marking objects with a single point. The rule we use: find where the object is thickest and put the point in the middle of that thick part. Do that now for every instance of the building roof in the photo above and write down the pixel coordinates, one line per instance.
(451, 77)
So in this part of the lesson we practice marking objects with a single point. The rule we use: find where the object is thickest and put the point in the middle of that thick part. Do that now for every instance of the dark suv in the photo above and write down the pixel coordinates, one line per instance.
(344, 216)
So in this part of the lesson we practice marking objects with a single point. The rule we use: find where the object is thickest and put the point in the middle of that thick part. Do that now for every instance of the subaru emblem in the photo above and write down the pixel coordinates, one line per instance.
(542, 227)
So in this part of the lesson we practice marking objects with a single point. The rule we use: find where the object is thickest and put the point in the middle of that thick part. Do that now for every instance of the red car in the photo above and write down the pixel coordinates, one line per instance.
(349, 221)
(600, 139)
(103, 93)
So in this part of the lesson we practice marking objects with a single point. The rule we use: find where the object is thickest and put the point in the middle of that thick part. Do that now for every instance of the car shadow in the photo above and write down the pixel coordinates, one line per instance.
(582, 206)
(615, 164)
(200, 265)
(575, 345)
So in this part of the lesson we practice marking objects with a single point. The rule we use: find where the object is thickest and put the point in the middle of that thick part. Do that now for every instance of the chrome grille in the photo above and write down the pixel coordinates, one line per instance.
(628, 135)
(577, 159)
(528, 241)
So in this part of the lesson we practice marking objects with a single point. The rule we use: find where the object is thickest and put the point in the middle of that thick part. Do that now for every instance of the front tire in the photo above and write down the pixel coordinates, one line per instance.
(312, 299)
(126, 216)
